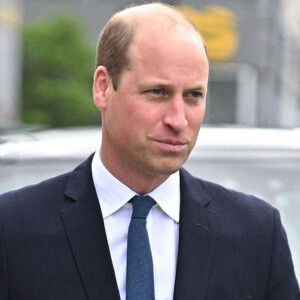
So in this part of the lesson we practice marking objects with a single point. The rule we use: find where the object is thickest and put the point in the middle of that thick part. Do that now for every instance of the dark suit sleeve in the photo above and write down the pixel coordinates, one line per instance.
(282, 282)
(3, 269)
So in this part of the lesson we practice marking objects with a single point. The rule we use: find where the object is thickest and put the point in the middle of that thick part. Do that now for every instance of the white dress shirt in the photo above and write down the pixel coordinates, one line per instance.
(162, 226)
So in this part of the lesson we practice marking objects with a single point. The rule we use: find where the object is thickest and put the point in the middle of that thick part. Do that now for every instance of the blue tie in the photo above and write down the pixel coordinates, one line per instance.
(139, 277)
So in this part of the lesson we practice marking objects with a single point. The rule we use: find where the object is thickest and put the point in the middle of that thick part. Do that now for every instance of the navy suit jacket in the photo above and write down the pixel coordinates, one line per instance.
(53, 244)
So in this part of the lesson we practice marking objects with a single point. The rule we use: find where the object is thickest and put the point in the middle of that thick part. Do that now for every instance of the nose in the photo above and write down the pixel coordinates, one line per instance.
(175, 116)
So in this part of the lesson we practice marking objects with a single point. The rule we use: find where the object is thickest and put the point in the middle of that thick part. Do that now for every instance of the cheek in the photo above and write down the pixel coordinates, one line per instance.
(144, 114)
(202, 114)
(196, 117)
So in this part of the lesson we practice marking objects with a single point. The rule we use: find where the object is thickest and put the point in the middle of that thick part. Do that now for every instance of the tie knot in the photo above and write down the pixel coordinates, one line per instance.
(141, 206)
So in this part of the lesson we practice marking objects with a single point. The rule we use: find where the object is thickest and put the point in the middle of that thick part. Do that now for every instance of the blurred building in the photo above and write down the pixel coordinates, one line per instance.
(290, 76)
(254, 49)
(10, 62)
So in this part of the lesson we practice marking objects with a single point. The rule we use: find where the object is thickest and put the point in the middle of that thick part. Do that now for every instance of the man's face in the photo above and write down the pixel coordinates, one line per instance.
(151, 123)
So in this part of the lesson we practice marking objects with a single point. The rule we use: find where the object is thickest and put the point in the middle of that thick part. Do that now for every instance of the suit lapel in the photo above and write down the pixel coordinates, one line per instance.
(86, 233)
(197, 240)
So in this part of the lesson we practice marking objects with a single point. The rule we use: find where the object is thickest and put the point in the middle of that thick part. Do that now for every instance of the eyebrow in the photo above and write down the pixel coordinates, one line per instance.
(168, 86)
(197, 88)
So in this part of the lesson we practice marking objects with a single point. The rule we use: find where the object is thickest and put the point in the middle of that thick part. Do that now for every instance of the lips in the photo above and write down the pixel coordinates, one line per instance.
(171, 145)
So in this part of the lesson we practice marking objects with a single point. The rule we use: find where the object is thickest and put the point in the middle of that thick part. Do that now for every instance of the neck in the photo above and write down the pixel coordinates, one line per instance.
(136, 179)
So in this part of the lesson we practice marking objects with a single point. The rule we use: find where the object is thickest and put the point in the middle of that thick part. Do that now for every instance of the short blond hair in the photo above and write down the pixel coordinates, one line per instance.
(119, 32)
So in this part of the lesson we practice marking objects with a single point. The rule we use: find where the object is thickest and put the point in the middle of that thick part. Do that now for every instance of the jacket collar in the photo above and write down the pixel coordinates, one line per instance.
(197, 239)
(86, 233)
(84, 225)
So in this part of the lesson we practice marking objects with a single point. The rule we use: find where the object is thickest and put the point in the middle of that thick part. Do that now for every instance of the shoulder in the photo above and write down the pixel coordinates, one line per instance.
(227, 203)
(47, 198)
(34, 196)
(50, 192)
(240, 218)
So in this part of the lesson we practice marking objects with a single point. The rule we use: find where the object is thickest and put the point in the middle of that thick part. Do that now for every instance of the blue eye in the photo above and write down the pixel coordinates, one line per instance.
(195, 94)
(157, 91)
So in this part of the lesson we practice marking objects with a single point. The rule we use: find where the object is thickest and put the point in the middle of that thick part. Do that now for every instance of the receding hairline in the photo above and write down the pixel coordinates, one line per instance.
(136, 15)
(122, 30)
(144, 12)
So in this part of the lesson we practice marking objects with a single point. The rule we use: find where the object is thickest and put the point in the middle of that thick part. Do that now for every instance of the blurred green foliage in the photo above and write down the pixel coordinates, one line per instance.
(58, 74)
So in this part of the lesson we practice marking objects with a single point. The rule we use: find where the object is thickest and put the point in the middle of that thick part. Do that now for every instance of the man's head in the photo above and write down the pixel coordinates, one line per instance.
(153, 105)
(118, 34)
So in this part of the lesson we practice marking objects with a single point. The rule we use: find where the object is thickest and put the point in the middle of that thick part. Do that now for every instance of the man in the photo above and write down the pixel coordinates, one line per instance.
(206, 242)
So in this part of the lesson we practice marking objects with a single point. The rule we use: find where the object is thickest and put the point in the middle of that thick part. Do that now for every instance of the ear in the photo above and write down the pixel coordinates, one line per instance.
(101, 87)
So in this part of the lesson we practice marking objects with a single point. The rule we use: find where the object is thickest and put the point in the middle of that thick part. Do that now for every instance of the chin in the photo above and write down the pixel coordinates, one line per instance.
(161, 166)
(167, 169)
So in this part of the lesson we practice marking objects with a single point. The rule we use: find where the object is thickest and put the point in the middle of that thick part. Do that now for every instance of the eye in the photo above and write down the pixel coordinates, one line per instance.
(157, 94)
(193, 96)
(157, 91)
(196, 94)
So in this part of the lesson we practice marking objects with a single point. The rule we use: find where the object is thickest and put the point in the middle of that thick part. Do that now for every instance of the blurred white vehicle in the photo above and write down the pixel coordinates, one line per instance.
(262, 162)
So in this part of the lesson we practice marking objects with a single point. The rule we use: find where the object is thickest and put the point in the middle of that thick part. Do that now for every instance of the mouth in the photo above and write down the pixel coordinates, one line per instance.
(169, 145)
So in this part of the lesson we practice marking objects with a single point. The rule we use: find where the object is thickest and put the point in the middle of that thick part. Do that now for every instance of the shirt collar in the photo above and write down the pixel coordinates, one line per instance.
(113, 194)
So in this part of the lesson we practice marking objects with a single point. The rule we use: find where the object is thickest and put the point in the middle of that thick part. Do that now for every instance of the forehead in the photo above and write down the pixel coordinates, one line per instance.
(174, 46)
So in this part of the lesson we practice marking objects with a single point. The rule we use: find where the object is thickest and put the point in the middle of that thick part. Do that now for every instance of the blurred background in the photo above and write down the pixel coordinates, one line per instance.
(47, 54)
(47, 58)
